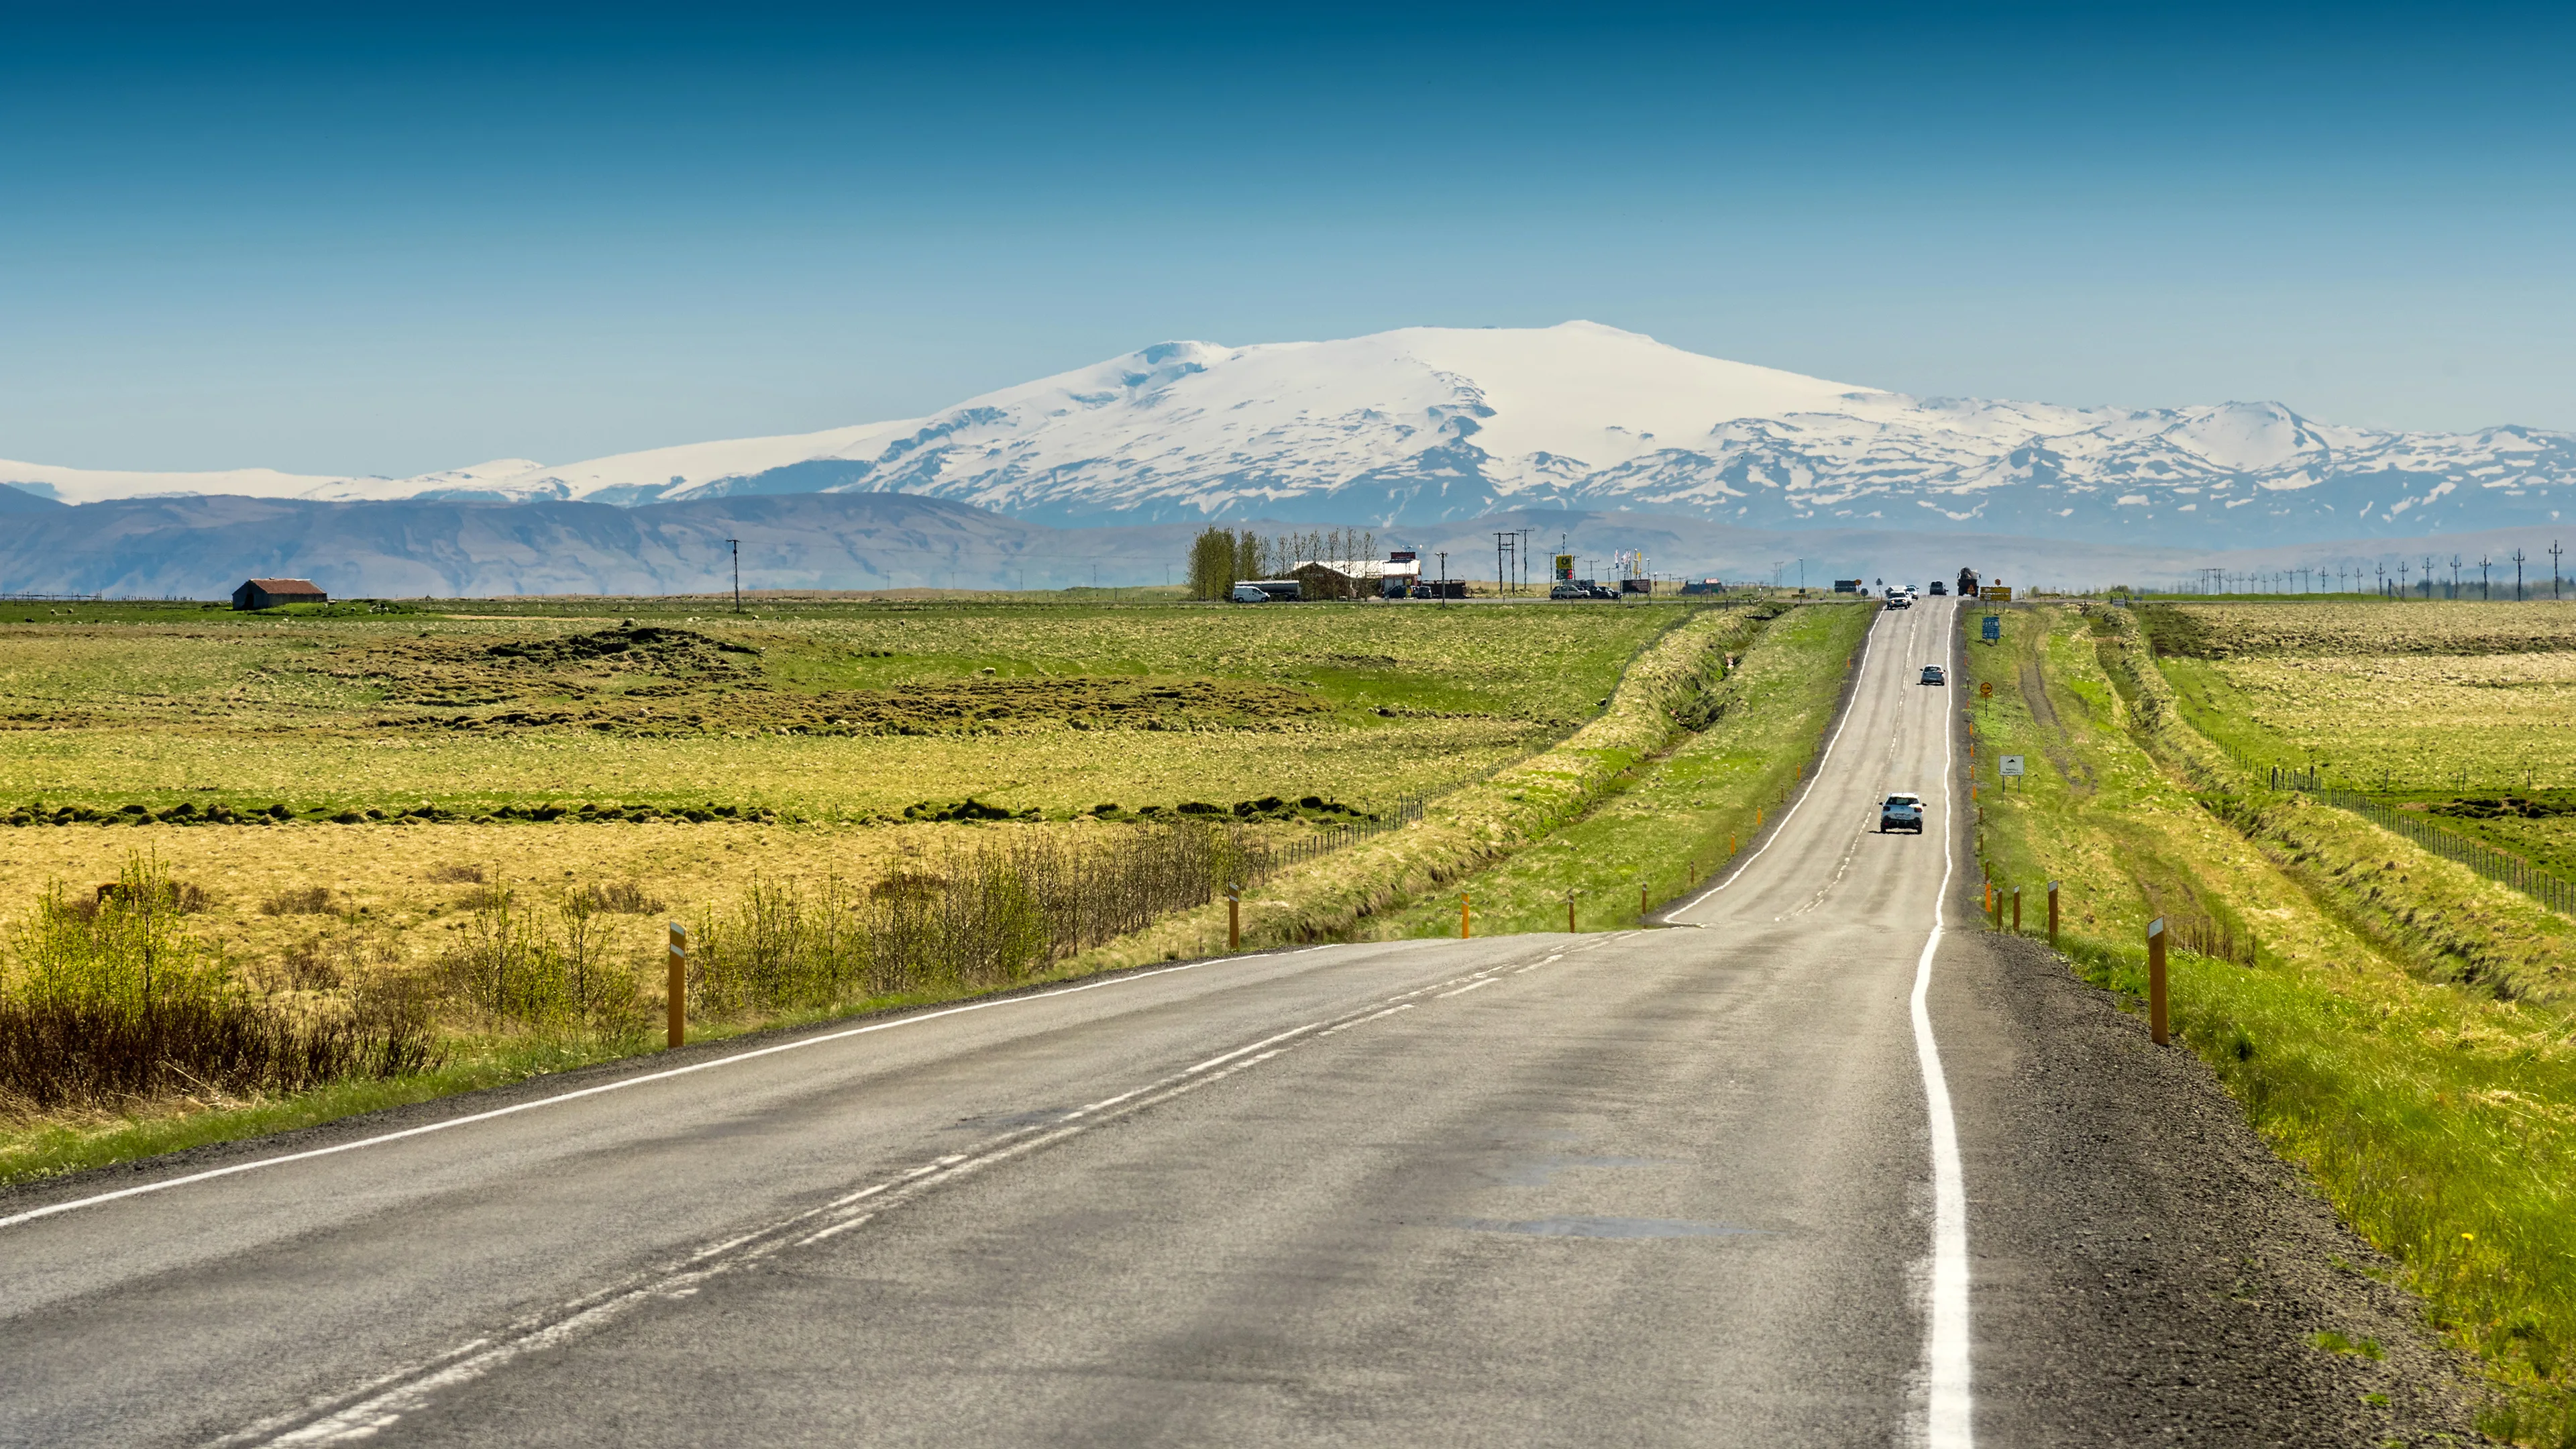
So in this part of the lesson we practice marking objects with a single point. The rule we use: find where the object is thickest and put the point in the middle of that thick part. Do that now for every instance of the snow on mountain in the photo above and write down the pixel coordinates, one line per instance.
(1428, 424)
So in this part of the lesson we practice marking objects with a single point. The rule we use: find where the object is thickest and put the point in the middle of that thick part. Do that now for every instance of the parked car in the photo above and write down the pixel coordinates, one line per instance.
(1568, 591)
(1250, 594)
(1932, 675)
(1901, 812)
(1602, 591)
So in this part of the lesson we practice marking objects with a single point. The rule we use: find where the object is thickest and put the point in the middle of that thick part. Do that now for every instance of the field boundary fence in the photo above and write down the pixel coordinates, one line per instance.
(2502, 867)
(1265, 861)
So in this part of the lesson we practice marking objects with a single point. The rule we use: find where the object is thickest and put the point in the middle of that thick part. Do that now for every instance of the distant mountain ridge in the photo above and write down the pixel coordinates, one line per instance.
(1423, 426)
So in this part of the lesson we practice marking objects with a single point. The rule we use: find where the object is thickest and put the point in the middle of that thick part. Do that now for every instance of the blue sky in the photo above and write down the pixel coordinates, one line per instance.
(286, 238)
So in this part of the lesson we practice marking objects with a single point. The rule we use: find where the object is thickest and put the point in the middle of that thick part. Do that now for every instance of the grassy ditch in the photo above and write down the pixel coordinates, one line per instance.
(1674, 687)
(2429, 1089)
(1665, 825)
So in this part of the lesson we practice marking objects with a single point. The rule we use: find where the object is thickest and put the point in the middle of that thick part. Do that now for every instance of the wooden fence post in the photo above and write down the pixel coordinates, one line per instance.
(1569, 913)
(678, 1025)
(2052, 913)
(2016, 910)
(1234, 918)
(2156, 980)
(1641, 898)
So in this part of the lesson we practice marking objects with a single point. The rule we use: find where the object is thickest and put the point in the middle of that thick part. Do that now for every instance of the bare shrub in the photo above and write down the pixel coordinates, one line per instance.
(625, 898)
(456, 874)
(309, 965)
(308, 900)
(553, 970)
(985, 916)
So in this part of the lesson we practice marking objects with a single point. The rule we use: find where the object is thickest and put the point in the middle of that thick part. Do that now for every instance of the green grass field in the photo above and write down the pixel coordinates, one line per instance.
(2440, 1119)
(843, 712)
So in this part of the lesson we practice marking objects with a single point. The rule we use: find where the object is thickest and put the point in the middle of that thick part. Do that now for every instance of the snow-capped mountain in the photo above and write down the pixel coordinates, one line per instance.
(1426, 425)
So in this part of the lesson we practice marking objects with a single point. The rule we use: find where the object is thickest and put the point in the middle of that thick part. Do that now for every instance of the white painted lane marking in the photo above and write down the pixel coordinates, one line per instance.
(1256, 1046)
(1862, 671)
(1463, 990)
(1365, 1020)
(620, 1085)
(1948, 1421)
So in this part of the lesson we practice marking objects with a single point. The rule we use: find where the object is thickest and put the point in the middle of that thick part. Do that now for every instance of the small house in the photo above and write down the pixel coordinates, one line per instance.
(269, 593)
(1359, 578)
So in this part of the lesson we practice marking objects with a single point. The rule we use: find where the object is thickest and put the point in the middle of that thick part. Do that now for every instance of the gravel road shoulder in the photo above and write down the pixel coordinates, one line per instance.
(2154, 1274)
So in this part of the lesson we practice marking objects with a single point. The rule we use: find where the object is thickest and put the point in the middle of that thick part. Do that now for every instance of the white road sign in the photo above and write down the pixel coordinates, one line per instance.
(2012, 764)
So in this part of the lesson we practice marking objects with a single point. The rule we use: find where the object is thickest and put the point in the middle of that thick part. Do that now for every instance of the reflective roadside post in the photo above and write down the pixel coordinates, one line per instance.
(1569, 913)
(1234, 918)
(1463, 931)
(2156, 980)
(678, 991)
(2016, 910)
(2052, 913)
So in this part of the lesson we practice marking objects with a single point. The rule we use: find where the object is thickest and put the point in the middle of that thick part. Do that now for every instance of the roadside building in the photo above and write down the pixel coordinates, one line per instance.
(1357, 578)
(269, 593)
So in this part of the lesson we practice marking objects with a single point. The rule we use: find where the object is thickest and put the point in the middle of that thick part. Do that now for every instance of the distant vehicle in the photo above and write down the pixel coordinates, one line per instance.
(1937, 589)
(1896, 599)
(1602, 591)
(1901, 812)
(1932, 675)
(1569, 591)
(1250, 594)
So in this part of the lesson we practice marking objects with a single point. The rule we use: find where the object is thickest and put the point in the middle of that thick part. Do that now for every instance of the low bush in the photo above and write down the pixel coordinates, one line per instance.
(116, 1001)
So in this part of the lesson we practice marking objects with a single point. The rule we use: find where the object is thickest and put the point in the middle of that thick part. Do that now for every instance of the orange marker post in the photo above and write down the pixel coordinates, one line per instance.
(1463, 931)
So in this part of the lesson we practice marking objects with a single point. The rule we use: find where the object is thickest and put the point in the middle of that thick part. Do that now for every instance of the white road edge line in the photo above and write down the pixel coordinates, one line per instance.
(1860, 671)
(1949, 1422)
(1463, 990)
(617, 1086)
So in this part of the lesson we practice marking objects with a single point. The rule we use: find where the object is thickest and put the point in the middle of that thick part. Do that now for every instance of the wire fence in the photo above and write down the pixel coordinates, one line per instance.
(2499, 866)
(1263, 861)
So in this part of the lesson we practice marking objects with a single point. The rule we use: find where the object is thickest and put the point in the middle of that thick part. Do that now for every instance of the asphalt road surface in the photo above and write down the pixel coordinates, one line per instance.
(1712, 1184)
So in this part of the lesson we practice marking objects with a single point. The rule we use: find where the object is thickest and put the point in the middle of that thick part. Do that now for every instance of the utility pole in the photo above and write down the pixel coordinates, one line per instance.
(2517, 573)
(2485, 595)
(2382, 566)
(2428, 577)
(1521, 557)
(2553, 570)
(2402, 585)
(736, 545)
(1444, 578)
(2455, 576)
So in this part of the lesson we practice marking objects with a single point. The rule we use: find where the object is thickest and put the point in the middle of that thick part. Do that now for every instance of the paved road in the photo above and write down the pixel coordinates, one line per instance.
(1690, 1185)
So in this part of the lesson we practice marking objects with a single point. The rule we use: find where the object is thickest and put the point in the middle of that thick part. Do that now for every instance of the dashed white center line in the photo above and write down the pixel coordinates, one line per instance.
(386, 1400)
